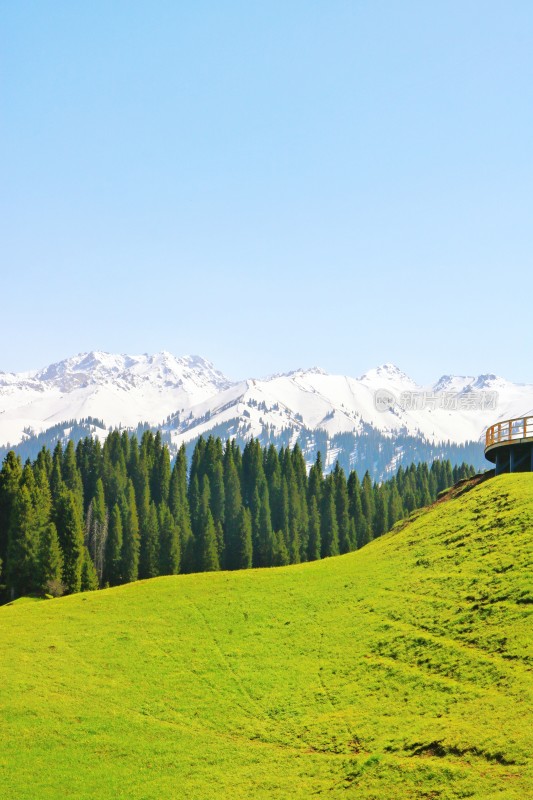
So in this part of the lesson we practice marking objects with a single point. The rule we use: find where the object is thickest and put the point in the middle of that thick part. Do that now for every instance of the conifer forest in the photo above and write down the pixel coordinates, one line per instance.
(86, 517)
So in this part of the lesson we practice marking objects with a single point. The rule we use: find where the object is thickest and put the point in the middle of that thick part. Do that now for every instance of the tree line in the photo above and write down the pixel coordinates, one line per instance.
(96, 515)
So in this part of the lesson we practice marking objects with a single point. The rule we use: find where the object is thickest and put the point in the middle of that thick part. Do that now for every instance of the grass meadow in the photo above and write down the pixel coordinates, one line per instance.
(399, 672)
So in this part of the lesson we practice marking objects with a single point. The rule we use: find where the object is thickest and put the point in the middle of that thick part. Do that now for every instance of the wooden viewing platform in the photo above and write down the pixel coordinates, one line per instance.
(509, 445)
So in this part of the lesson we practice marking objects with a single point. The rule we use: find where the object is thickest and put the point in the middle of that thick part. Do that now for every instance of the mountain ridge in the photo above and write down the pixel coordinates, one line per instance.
(188, 396)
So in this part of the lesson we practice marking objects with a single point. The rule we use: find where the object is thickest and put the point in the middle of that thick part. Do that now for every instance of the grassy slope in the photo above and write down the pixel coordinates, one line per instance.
(396, 672)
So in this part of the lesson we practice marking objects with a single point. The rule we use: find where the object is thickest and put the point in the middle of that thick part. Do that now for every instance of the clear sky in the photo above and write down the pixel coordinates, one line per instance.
(269, 183)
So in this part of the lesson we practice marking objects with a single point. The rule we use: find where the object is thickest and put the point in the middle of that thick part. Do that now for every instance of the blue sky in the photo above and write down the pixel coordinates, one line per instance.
(269, 184)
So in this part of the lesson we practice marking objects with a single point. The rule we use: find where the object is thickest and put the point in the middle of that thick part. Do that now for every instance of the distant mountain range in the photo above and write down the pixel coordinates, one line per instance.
(372, 422)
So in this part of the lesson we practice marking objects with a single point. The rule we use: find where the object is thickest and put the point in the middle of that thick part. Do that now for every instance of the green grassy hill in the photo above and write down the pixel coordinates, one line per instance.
(399, 671)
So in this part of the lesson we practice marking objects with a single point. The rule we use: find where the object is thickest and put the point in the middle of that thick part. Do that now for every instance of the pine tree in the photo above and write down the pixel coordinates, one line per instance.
(381, 521)
(282, 515)
(56, 477)
(96, 529)
(295, 509)
(187, 541)
(113, 550)
(316, 480)
(70, 532)
(71, 475)
(42, 499)
(280, 553)
(244, 539)
(195, 476)
(114, 469)
(130, 536)
(149, 556)
(355, 510)
(160, 483)
(207, 553)
(341, 508)
(22, 563)
(218, 494)
(409, 500)
(174, 499)
(50, 562)
(329, 529)
(368, 502)
(194, 503)
(266, 540)
(395, 505)
(169, 550)
(233, 505)
(314, 546)
(10, 477)
(89, 577)
(89, 460)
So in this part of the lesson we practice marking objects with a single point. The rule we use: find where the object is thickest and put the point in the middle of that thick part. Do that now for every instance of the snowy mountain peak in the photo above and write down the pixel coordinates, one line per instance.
(462, 383)
(489, 381)
(188, 397)
(98, 368)
(300, 372)
(453, 383)
(386, 373)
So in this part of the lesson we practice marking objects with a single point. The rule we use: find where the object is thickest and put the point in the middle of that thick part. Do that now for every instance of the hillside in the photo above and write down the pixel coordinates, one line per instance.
(372, 421)
(399, 671)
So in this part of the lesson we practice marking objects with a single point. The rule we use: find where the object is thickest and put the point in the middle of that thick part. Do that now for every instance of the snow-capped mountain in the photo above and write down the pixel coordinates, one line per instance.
(121, 390)
(383, 413)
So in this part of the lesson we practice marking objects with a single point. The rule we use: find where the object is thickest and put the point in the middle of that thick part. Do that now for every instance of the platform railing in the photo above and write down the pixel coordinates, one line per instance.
(509, 431)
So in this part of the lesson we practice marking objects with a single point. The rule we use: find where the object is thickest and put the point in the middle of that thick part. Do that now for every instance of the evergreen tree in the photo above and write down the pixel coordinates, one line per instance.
(207, 559)
(314, 546)
(89, 577)
(50, 562)
(355, 510)
(244, 539)
(341, 509)
(280, 553)
(130, 536)
(233, 505)
(56, 477)
(266, 540)
(41, 497)
(179, 507)
(70, 532)
(237, 503)
(10, 477)
(178, 496)
(282, 516)
(409, 500)
(169, 551)
(194, 503)
(149, 556)
(221, 545)
(329, 528)
(89, 461)
(295, 509)
(395, 505)
(113, 550)
(96, 527)
(381, 521)
(22, 564)
(316, 480)
(187, 541)
(218, 494)
(367, 501)
(160, 484)
(71, 475)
